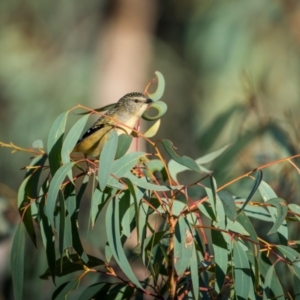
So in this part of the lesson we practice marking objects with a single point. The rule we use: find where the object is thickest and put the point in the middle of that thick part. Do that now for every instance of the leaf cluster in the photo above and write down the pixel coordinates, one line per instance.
(203, 248)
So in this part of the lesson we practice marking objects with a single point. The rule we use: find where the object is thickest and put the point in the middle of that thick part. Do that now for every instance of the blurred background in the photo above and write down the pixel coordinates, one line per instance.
(232, 71)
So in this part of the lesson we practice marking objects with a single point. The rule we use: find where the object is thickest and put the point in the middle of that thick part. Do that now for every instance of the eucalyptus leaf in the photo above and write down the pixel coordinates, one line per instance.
(160, 87)
(220, 248)
(106, 160)
(54, 188)
(112, 222)
(183, 160)
(72, 138)
(241, 272)
(17, 261)
(55, 141)
(282, 210)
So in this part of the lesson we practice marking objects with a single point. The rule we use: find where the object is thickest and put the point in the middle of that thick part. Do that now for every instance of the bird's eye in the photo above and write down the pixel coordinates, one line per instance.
(136, 100)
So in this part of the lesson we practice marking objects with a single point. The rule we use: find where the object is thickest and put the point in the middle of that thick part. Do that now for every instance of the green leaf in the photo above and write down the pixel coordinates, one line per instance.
(134, 192)
(229, 205)
(151, 132)
(183, 160)
(160, 87)
(121, 292)
(271, 280)
(268, 283)
(160, 107)
(175, 168)
(28, 192)
(107, 157)
(183, 245)
(54, 188)
(267, 193)
(258, 179)
(236, 227)
(70, 205)
(155, 165)
(48, 240)
(282, 210)
(61, 223)
(61, 293)
(211, 156)
(220, 248)
(252, 242)
(112, 221)
(124, 143)
(128, 216)
(72, 263)
(295, 208)
(72, 138)
(206, 209)
(194, 273)
(121, 167)
(17, 261)
(141, 182)
(254, 211)
(296, 285)
(264, 268)
(55, 141)
(142, 225)
(95, 290)
(97, 198)
(242, 271)
(125, 215)
(291, 254)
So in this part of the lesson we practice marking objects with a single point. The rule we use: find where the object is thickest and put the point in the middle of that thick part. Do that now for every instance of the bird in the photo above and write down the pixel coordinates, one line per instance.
(122, 118)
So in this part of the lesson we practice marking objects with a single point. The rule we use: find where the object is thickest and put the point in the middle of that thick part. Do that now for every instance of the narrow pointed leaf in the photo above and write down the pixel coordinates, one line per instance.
(122, 166)
(183, 245)
(211, 156)
(282, 210)
(229, 205)
(258, 179)
(161, 108)
(143, 183)
(220, 248)
(55, 141)
(28, 191)
(268, 193)
(194, 273)
(112, 221)
(271, 281)
(72, 138)
(62, 291)
(291, 254)
(95, 290)
(160, 87)
(72, 264)
(253, 243)
(124, 142)
(97, 199)
(268, 283)
(242, 272)
(54, 188)
(183, 160)
(153, 129)
(48, 240)
(17, 261)
(107, 157)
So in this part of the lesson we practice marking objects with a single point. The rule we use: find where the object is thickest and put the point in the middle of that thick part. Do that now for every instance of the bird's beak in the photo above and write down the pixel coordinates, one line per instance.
(149, 101)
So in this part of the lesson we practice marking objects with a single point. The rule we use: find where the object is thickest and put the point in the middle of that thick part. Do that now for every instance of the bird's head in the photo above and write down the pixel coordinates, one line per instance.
(135, 103)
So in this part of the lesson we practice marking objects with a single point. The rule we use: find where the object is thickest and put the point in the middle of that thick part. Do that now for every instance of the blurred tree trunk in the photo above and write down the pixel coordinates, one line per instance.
(125, 50)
